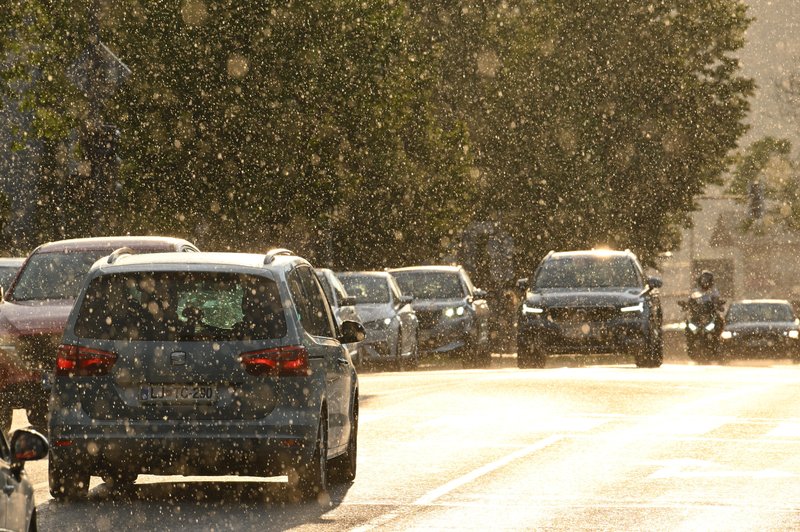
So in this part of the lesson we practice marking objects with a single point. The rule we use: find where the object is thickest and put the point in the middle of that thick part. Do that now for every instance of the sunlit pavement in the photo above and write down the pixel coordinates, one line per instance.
(572, 446)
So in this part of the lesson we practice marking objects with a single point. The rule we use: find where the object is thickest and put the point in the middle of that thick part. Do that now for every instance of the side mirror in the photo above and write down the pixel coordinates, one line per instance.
(522, 284)
(655, 282)
(348, 301)
(27, 445)
(405, 300)
(352, 332)
(479, 294)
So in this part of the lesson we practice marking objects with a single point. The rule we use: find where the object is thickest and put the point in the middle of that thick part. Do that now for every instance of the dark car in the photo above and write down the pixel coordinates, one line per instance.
(761, 328)
(342, 304)
(388, 317)
(17, 506)
(590, 302)
(8, 270)
(453, 315)
(205, 364)
(35, 309)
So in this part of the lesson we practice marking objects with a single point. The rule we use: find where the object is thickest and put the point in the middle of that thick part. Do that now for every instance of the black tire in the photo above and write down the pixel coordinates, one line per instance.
(32, 526)
(652, 356)
(398, 364)
(313, 475)
(67, 482)
(343, 468)
(529, 357)
(412, 362)
(474, 356)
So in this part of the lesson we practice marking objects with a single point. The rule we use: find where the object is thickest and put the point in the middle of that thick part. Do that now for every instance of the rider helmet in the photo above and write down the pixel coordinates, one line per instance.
(705, 280)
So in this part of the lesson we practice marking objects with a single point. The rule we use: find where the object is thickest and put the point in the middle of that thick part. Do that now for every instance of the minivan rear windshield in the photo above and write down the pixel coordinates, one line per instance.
(181, 306)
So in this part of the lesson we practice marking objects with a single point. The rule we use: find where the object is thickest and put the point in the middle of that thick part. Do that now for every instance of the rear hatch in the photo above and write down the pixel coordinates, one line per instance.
(176, 341)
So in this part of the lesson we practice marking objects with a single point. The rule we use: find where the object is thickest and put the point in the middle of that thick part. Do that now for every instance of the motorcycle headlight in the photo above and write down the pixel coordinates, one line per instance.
(727, 335)
(692, 327)
(639, 307)
(454, 312)
(710, 326)
(527, 310)
(794, 334)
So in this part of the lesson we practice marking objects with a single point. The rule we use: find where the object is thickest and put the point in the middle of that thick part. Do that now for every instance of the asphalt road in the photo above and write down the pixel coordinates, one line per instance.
(607, 446)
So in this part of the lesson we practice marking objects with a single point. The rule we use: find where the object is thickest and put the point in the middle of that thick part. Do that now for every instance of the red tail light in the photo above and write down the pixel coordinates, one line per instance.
(76, 360)
(279, 361)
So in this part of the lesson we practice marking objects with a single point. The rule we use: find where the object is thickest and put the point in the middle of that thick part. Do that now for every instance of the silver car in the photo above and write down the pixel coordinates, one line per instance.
(387, 316)
(452, 313)
(343, 306)
(206, 363)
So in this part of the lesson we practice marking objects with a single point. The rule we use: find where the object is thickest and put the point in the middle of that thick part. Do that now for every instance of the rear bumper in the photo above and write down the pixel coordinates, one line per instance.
(259, 447)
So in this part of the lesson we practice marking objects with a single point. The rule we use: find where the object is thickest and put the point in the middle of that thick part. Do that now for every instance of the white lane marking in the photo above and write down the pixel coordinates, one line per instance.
(443, 490)
(785, 430)
(692, 468)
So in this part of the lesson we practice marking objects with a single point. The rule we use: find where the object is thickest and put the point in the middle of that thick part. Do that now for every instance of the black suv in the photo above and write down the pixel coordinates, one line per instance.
(587, 302)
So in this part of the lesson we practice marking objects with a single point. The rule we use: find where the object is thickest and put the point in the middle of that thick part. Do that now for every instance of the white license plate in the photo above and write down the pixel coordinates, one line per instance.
(177, 394)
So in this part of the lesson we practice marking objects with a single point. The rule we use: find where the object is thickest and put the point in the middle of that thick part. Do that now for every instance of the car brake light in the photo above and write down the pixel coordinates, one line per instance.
(76, 360)
(278, 361)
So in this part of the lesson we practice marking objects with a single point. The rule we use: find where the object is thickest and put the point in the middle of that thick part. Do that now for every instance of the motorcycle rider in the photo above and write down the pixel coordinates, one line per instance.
(705, 285)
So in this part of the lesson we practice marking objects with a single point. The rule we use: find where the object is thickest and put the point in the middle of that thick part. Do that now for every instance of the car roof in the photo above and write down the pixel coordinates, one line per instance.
(591, 253)
(113, 242)
(245, 260)
(384, 275)
(432, 268)
(761, 301)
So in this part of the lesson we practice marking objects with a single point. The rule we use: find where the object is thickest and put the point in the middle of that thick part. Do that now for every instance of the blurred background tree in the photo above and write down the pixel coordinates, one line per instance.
(373, 133)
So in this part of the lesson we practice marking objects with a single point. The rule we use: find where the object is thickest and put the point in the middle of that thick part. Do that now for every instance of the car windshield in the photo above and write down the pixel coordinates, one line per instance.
(367, 289)
(7, 274)
(54, 275)
(759, 312)
(587, 272)
(186, 306)
(428, 285)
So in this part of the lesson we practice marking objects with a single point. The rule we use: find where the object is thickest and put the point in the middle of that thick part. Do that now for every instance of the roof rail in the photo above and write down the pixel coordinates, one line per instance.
(276, 252)
(117, 253)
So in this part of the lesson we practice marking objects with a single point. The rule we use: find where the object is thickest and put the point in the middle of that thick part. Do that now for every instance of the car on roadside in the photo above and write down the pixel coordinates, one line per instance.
(18, 506)
(388, 318)
(760, 328)
(453, 315)
(9, 267)
(342, 304)
(205, 364)
(590, 302)
(35, 308)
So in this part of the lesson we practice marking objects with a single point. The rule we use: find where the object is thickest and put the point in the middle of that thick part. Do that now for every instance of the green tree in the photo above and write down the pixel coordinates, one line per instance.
(595, 124)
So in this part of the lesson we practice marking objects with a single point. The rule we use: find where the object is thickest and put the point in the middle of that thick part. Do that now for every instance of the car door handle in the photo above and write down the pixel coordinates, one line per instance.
(342, 362)
(8, 489)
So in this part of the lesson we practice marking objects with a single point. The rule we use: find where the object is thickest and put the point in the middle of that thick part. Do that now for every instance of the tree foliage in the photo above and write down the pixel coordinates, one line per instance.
(372, 133)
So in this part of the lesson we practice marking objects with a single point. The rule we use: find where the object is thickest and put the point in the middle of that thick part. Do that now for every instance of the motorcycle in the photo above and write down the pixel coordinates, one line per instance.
(703, 326)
